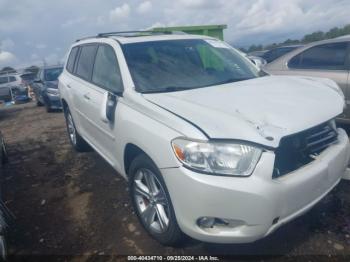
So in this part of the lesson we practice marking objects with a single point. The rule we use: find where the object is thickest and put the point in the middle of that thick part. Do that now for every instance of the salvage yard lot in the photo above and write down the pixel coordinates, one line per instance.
(69, 203)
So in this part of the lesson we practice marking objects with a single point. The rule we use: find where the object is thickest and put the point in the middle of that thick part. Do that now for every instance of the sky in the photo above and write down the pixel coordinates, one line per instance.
(33, 31)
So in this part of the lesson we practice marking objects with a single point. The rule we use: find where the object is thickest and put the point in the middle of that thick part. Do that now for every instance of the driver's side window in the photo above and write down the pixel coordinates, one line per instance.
(106, 72)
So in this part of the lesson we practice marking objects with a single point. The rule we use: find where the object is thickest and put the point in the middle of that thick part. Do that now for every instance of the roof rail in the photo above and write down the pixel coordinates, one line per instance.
(87, 37)
(132, 33)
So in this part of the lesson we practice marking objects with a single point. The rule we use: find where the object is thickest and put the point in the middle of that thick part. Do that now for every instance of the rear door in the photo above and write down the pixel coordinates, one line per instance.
(80, 86)
(324, 60)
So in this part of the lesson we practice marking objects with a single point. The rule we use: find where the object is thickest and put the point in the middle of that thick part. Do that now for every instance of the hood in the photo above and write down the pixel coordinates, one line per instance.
(261, 110)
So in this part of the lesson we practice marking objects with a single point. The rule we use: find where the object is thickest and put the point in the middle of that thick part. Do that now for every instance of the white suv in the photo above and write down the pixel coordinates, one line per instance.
(209, 148)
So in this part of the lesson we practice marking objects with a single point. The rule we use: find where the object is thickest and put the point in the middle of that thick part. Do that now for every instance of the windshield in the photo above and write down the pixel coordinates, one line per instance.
(52, 74)
(171, 65)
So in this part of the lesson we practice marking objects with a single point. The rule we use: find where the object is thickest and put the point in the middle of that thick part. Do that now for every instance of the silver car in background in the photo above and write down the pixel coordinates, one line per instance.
(327, 59)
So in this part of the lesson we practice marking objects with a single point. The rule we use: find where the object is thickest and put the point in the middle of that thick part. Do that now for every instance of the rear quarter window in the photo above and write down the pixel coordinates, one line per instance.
(71, 59)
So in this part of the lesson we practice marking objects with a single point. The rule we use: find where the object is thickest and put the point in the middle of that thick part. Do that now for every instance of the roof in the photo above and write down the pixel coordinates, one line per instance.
(190, 28)
(144, 38)
(343, 37)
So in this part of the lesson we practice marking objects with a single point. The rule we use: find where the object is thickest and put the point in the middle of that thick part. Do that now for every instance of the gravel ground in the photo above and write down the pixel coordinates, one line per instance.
(75, 204)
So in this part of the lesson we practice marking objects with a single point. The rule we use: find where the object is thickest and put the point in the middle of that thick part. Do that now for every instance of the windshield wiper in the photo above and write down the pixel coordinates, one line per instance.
(166, 89)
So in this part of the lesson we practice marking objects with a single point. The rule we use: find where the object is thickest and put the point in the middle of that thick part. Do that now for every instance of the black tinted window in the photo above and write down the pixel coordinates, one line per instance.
(3, 80)
(71, 59)
(106, 70)
(86, 61)
(327, 56)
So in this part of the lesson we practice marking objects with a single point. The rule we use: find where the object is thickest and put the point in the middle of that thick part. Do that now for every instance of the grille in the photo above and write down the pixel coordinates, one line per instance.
(300, 149)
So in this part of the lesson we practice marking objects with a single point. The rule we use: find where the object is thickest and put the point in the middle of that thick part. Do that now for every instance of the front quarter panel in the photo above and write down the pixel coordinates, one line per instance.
(150, 135)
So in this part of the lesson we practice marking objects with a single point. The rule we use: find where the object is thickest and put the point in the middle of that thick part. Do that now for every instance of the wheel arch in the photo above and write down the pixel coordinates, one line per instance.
(131, 151)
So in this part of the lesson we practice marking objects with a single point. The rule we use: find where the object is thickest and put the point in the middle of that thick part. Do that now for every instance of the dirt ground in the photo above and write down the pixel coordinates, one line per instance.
(69, 203)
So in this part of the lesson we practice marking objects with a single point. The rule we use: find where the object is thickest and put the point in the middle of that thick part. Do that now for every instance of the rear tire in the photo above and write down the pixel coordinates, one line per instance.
(152, 203)
(75, 139)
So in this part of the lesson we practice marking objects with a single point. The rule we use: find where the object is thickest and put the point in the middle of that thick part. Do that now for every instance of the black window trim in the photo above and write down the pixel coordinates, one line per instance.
(93, 67)
(346, 63)
(77, 60)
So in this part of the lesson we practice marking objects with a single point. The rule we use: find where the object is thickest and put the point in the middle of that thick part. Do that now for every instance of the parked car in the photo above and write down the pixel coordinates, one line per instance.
(277, 52)
(327, 58)
(13, 88)
(209, 148)
(45, 88)
(259, 53)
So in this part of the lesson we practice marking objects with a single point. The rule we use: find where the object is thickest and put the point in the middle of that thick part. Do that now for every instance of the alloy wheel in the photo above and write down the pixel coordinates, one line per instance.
(151, 201)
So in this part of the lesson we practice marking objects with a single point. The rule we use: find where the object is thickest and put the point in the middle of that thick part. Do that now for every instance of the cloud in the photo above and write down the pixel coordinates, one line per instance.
(119, 13)
(52, 59)
(34, 56)
(7, 59)
(144, 7)
(7, 44)
(73, 22)
(40, 46)
(249, 21)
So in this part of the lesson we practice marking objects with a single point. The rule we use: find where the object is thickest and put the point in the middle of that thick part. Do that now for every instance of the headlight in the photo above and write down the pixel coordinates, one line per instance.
(52, 91)
(216, 157)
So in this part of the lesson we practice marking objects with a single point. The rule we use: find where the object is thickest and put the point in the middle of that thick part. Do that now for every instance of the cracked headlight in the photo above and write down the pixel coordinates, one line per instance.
(232, 159)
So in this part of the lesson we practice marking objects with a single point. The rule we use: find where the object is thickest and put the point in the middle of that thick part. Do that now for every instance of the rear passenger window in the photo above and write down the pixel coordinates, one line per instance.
(106, 70)
(71, 59)
(3, 80)
(326, 56)
(86, 61)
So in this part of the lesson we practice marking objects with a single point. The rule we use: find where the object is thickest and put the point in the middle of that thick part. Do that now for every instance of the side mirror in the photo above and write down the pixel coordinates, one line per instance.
(109, 105)
(37, 80)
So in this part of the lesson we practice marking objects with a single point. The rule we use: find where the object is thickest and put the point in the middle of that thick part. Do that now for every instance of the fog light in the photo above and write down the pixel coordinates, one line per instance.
(215, 222)
(206, 222)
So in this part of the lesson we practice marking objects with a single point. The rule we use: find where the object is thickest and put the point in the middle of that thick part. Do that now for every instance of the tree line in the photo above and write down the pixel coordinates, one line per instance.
(315, 36)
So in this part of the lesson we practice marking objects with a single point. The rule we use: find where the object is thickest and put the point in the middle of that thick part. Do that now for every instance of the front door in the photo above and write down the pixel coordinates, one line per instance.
(106, 80)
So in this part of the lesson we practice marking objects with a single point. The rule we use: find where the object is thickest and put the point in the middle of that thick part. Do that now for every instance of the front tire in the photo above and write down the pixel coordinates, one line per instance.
(152, 202)
(75, 139)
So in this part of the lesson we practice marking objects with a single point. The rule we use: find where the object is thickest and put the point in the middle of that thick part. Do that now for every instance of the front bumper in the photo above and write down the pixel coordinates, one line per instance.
(254, 202)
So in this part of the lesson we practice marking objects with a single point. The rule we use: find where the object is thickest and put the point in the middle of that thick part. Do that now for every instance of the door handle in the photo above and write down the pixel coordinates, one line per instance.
(86, 96)
(69, 86)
